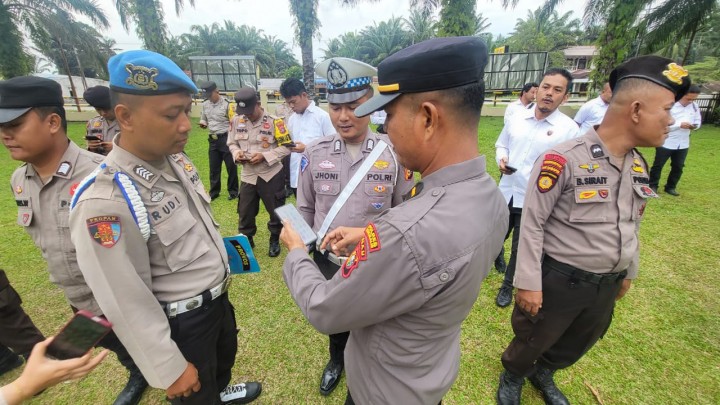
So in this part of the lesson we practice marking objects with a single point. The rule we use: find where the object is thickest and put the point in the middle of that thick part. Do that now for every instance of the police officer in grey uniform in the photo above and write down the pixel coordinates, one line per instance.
(327, 167)
(252, 142)
(586, 192)
(147, 243)
(215, 117)
(32, 121)
(100, 130)
(414, 273)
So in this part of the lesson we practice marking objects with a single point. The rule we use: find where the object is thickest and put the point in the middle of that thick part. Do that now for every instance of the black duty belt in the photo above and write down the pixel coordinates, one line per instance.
(215, 137)
(582, 275)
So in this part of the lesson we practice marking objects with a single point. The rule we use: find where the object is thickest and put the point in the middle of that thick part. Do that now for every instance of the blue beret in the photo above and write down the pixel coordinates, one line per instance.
(147, 73)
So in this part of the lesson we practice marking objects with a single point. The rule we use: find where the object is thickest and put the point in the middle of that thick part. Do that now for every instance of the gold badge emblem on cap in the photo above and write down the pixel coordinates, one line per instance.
(675, 73)
(141, 77)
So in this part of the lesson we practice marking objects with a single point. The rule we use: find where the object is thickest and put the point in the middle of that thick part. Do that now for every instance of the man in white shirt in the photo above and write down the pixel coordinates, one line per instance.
(526, 101)
(527, 135)
(309, 122)
(593, 112)
(687, 117)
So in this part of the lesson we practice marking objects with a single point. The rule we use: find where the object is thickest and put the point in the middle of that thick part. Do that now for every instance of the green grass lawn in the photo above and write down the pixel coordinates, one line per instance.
(663, 347)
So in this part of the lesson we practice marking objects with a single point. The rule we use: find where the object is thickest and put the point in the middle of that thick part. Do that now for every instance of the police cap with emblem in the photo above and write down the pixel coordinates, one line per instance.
(19, 94)
(147, 73)
(246, 98)
(348, 79)
(435, 64)
(208, 88)
(98, 97)
(659, 70)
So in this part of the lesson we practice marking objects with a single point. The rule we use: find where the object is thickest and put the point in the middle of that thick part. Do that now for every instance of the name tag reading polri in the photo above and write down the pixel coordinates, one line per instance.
(240, 254)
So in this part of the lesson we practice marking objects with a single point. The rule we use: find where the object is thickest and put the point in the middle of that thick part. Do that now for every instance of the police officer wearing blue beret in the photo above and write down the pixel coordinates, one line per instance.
(148, 246)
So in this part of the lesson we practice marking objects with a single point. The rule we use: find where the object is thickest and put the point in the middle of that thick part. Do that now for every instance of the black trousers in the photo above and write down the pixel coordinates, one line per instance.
(286, 169)
(677, 162)
(207, 337)
(338, 341)
(112, 343)
(272, 194)
(17, 330)
(574, 316)
(514, 227)
(219, 153)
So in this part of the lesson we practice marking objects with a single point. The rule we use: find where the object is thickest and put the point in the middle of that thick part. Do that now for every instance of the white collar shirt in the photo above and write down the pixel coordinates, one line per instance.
(679, 138)
(522, 140)
(516, 106)
(591, 114)
(312, 124)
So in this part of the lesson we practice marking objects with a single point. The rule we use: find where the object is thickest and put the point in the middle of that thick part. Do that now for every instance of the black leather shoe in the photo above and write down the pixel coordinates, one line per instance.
(543, 381)
(504, 296)
(274, 250)
(9, 361)
(133, 391)
(510, 389)
(242, 393)
(212, 197)
(672, 192)
(232, 197)
(500, 264)
(330, 377)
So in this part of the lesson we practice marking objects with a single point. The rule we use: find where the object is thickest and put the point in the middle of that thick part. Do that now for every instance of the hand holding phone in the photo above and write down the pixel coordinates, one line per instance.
(510, 169)
(78, 336)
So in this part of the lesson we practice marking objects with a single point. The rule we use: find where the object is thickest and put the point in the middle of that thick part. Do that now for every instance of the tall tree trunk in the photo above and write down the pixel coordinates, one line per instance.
(69, 73)
(689, 46)
(80, 68)
(306, 50)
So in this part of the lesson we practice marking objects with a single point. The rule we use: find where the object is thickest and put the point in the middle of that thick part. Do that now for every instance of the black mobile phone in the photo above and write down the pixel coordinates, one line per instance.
(92, 138)
(510, 169)
(78, 336)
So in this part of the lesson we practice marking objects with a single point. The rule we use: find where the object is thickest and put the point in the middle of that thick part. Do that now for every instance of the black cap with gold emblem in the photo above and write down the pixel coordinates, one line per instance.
(435, 64)
(98, 97)
(659, 70)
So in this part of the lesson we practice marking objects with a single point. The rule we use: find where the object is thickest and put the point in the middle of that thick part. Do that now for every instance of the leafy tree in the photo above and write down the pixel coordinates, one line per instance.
(421, 25)
(293, 72)
(457, 17)
(348, 45)
(381, 40)
(34, 15)
(148, 16)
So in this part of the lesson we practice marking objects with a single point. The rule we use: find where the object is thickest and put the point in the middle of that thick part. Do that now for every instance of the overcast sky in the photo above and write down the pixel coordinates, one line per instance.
(273, 17)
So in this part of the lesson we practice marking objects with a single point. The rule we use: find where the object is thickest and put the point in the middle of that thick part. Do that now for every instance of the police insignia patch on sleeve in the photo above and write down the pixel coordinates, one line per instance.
(552, 167)
(408, 174)
(350, 264)
(304, 162)
(104, 230)
(373, 239)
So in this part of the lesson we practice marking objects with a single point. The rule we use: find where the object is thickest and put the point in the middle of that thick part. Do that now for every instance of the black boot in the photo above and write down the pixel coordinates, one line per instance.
(252, 242)
(500, 264)
(8, 360)
(543, 381)
(274, 250)
(330, 377)
(133, 391)
(510, 389)
(504, 296)
(672, 192)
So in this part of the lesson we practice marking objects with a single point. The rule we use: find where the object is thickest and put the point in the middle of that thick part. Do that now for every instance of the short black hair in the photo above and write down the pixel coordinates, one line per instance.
(527, 87)
(467, 100)
(562, 72)
(44, 112)
(292, 87)
(694, 89)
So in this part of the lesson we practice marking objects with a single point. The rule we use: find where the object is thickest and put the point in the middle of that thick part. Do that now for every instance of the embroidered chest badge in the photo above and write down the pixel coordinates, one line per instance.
(590, 167)
(326, 164)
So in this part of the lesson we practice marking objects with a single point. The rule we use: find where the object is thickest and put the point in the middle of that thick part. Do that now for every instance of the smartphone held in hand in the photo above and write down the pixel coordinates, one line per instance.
(78, 336)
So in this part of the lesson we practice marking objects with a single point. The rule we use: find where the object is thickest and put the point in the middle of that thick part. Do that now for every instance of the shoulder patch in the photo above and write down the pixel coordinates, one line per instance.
(304, 162)
(373, 239)
(408, 174)
(552, 166)
(105, 230)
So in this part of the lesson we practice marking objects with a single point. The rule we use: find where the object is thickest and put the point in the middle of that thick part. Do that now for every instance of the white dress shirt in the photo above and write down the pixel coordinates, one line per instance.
(522, 140)
(679, 138)
(313, 123)
(591, 114)
(516, 106)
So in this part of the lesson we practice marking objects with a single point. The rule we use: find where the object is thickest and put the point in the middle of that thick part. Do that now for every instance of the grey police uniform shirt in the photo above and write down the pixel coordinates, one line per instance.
(183, 256)
(215, 116)
(589, 218)
(43, 211)
(408, 286)
(102, 128)
(256, 137)
(326, 167)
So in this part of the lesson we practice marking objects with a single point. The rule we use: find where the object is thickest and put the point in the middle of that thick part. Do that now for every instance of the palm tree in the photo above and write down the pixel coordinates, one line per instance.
(381, 40)
(33, 15)
(306, 26)
(457, 17)
(420, 24)
(148, 17)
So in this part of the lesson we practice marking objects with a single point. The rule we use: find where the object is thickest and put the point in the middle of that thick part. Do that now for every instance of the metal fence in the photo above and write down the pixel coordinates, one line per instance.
(708, 103)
